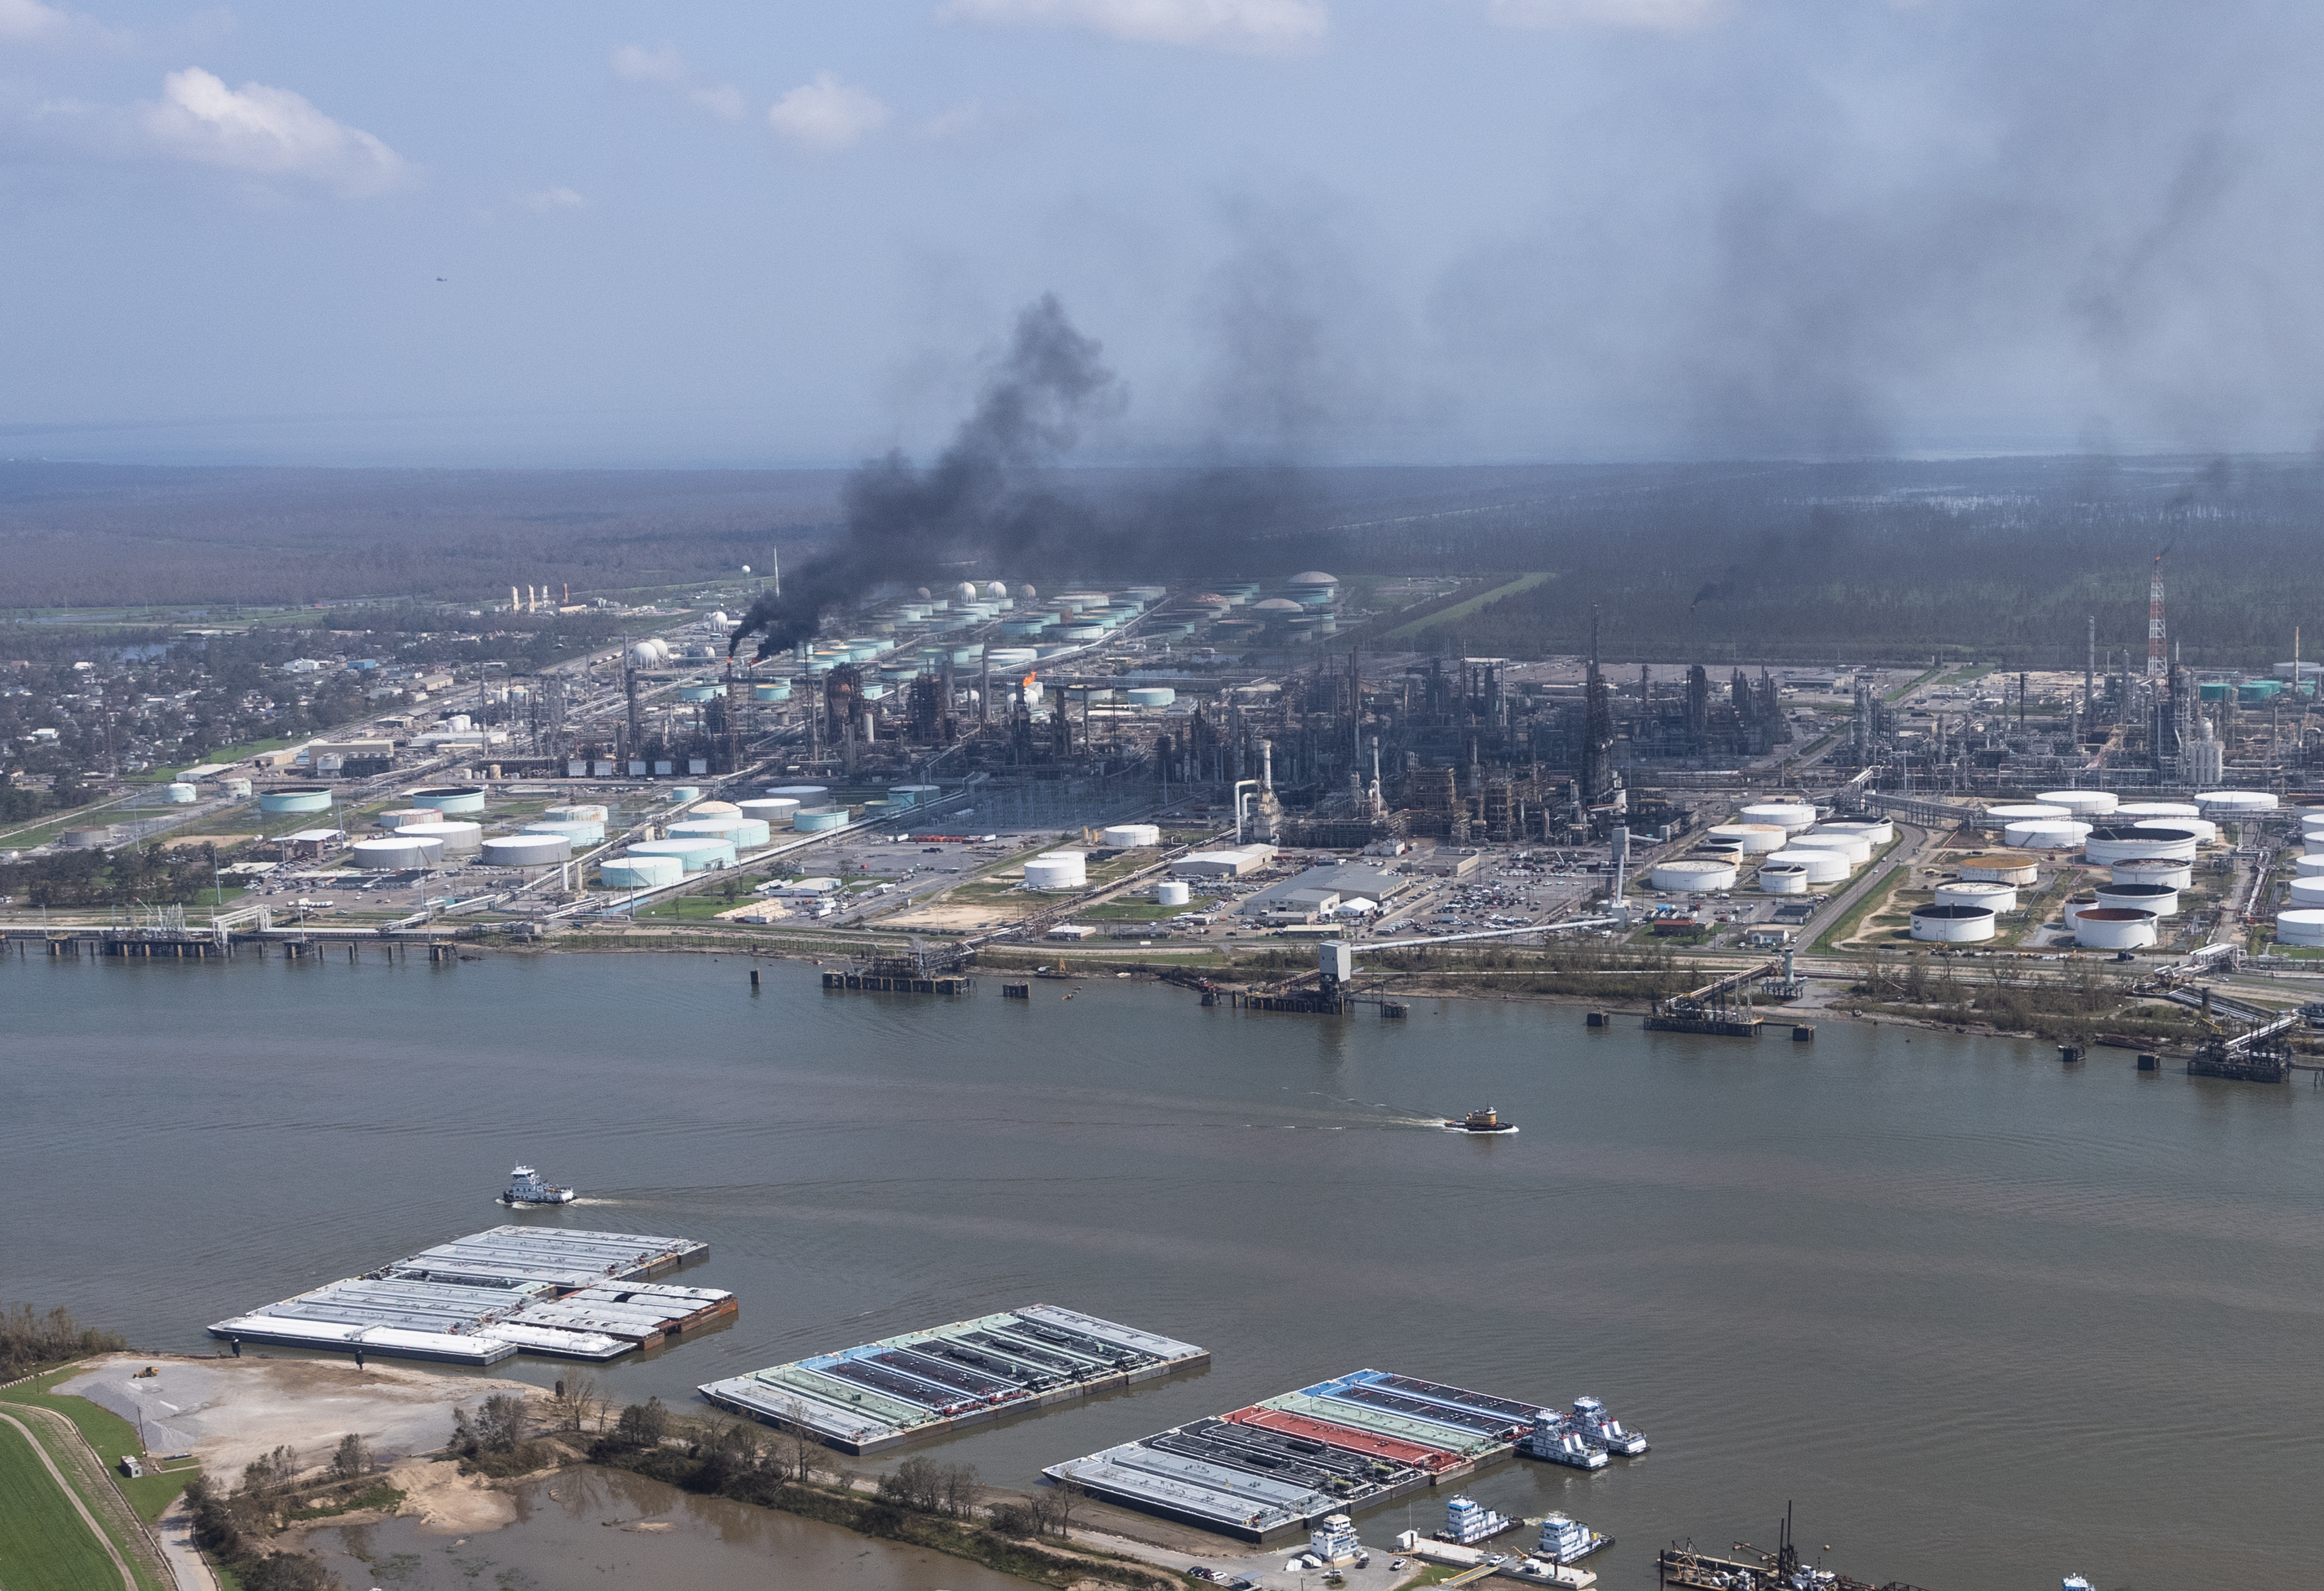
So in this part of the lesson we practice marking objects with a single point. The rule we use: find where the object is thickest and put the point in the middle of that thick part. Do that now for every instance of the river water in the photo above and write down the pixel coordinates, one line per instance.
(1984, 1319)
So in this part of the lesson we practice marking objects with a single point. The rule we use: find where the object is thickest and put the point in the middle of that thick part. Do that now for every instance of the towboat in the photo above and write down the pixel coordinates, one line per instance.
(1553, 1438)
(2077, 1582)
(1487, 1120)
(1601, 1430)
(526, 1187)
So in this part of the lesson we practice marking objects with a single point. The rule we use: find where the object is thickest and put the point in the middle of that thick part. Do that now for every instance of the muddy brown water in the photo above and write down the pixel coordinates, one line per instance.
(1985, 1320)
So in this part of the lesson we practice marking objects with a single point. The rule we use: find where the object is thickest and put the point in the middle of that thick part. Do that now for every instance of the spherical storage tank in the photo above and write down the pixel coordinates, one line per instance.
(2120, 843)
(1127, 836)
(774, 811)
(640, 872)
(2234, 803)
(1783, 879)
(1993, 897)
(2081, 803)
(1058, 870)
(2114, 927)
(1754, 839)
(2045, 834)
(1997, 868)
(649, 653)
(2161, 870)
(527, 850)
(180, 794)
(1952, 925)
(1694, 876)
(458, 839)
(396, 852)
(450, 798)
(1854, 847)
(1173, 891)
(1821, 866)
(1790, 817)
(821, 819)
(2158, 898)
(297, 798)
(2304, 926)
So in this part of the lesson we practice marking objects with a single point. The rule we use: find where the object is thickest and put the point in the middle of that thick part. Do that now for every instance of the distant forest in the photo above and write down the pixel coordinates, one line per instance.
(1996, 559)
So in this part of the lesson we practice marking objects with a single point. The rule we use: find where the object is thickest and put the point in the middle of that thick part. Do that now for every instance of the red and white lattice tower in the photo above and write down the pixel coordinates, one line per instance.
(2156, 664)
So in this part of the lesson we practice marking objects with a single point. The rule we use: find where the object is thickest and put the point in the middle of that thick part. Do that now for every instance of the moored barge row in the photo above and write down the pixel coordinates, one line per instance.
(864, 1398)
(556, 1291)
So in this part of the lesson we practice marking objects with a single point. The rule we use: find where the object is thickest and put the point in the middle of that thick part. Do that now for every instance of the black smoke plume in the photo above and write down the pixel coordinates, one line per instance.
(980, 507)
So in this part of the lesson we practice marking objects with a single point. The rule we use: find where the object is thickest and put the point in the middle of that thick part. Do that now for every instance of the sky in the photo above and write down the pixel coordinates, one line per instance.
(1323, 231)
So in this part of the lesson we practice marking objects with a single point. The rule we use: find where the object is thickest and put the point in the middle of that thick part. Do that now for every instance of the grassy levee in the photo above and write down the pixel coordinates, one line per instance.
(44, 1546)
(85, 1440)
(1849, 920)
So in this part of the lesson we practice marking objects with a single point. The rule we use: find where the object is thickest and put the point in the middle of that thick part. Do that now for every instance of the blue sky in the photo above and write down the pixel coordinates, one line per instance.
(1439, 230)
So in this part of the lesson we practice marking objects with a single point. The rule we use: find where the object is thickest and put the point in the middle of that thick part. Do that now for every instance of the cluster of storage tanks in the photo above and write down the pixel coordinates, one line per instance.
(1791, 851)
(2302, 921)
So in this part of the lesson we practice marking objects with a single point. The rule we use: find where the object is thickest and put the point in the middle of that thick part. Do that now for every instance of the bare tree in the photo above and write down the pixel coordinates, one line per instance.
(803, 1454)
(573, 1399)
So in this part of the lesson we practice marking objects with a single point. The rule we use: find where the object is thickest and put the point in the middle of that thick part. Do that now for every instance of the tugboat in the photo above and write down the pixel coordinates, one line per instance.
(1601, 1430)
(2077, 1582)
(526, 1187)
(1568, 1541)
(1555, 1439)
(1487, 1120)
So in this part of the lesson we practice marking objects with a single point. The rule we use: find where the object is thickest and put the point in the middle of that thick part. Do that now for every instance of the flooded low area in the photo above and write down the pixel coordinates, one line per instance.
(601, 1527)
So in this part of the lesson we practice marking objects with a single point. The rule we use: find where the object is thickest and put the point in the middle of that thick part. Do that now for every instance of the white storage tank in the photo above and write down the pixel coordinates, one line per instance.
(1782, 878)
(714, 826)
(692, 854)
(2158, 898)
(2303, 926)
(819, 819)
(640, 872)
(395, 852)
(181, 794)
(1854, 847)
(1058, 870)
(459, 838)
(1998, 867)
(2178, 875)
(1877, 831)
(525, 850)
(1152, 695)
(2133, 811)
(1824, 866)
(2204, 830)
(1952, 925)
(2139, 840)
(913, 795)
(2306, 892)
(715, 810)
(2045, 834)
(2022, 812)
(403, 817)
(1790, 817)
(2309, 820)
(1754, 839)
(239, 788)
(581, 811)
(2081, 803)
(806, 795)
(297, 798)
(2310, 867)
(450, 798)
(1130, 837)
(2230, 804)
(2114, 927)
(1695, 877)
(774, 811)
(572, 829)
(1993, 897)
(1173, 891)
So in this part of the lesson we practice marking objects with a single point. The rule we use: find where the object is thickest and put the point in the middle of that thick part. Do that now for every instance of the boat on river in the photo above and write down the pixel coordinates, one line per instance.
(526, 1187)
(1487, 1120)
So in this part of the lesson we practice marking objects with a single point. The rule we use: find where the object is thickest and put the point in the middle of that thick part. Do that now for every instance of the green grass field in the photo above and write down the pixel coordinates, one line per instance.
(44, 1544)
(1462, 610)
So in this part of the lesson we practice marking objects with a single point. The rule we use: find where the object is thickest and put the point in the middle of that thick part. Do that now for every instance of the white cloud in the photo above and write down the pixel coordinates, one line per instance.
(554, 199)
(23, 20)
(272, 132)
(666, 67)
(826, 114)
(1658, 17)
(962, 121)
(1252, 27)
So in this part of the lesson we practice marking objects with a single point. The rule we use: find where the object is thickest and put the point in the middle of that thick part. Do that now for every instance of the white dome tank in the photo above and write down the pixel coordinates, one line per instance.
(1854, 847)
(1952, 925)
(2081, 803)
(1130, 837)
(2160, 839)
(1998, 867)
(2045, 834)
(1173, 891)
(2161, 899)
(1823, 867)
(528, 850)
(1782, 878)
(1993, 897)
(2114, 927)
(2303, 926)
(2178, 875)
(965, 592)
(996, 590)
(181, 794)
(1754, 839)
(1694, 876)
(1790, 817)
(1058, 870)
(714, 809)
